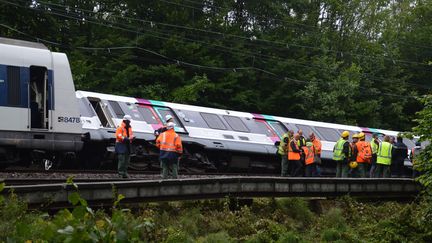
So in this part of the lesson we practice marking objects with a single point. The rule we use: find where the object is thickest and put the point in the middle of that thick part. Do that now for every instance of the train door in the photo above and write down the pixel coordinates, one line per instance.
(39, 97)
(102, 112)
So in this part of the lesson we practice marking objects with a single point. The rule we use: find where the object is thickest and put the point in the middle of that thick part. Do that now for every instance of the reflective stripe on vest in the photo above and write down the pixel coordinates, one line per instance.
(309, 155)
(338, 148)
(291, 154)
(384, 153)
(168, 145)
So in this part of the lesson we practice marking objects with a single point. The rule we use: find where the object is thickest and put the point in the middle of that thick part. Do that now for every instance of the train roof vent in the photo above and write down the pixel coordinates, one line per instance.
(228, 136)
(14, 42)
(244, 138)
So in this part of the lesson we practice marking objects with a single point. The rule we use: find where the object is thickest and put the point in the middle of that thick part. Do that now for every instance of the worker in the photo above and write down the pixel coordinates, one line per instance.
(170, 145)
(384, 158)
(415, 152)
(310, 166)
(282, 151)
(317, 153)
(353, 170)
(302, 141)
(374, 145)
(341, 154)
(124, 138)
(400, 153)
(168, 118)
(363, 155)
(294, 155)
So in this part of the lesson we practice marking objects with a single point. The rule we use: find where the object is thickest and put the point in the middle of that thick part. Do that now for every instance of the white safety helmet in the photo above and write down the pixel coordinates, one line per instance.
(168, 117)
(170, 125)
(127, 118)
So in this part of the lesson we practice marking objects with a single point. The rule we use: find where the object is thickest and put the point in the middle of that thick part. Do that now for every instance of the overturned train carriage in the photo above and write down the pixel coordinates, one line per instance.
(40, 118)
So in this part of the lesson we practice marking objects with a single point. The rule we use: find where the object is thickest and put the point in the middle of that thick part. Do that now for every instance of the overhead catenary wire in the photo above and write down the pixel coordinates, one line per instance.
(242, 52)
(283, 44)
(229, 69)
(203, 66)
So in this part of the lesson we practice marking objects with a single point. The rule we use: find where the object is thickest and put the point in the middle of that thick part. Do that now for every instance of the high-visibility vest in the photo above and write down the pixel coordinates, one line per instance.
(384, 153)
(364, 152)
(374, 146)
(291, 154)
(309, 155)
(169, 141)
(338, 148)
(121, 133)
(282, 145)
(317, 146)
(301, 142)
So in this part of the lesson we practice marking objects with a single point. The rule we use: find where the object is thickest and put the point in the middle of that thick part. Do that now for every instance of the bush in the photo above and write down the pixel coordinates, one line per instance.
(220, 237)
(297, 209)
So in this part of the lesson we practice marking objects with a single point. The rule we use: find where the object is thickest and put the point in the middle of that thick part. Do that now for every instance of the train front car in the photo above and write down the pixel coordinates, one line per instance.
(40, 119)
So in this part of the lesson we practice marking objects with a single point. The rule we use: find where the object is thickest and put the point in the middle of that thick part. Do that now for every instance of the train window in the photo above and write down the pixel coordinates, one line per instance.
(279, 128)
(408, 143)
(117, 109)
(164, 111)
(307, 130)
(213, 121)
(236, 123)
(14, 86)
(264, 128)
(329, 134)
(148, 115)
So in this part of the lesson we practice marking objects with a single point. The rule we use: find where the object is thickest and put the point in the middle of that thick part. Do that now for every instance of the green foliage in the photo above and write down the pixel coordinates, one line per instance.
(423, 162)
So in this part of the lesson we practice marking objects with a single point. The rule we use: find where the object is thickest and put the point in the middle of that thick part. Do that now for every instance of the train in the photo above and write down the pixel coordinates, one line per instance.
(45, 121)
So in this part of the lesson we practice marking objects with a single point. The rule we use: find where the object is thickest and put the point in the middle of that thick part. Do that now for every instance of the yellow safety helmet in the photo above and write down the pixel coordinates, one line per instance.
(355, 135)
(345, 134)
(353, 164)
(361, 135)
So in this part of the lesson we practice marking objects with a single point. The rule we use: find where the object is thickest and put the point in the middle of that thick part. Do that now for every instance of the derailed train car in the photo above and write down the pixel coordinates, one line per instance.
(45, 120)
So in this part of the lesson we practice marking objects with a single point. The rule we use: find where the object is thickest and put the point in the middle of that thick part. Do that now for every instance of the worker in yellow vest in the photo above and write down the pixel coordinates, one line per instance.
(374, 145)
(341, 154)
(384, 158)
(282, 151)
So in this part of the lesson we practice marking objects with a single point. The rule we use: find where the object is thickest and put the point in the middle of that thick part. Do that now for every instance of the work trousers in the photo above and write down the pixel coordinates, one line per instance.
(398, 167)
(382, 171)
(169, 168)
(296, 168)
(361, 171)
(284, 165)
(311, 170)
(373, 166)
(123, 164)
(342, 168)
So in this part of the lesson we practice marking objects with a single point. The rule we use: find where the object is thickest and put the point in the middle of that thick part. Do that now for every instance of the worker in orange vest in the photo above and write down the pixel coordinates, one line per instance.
(124, 137)
(170, 146)
(309, 159)
(294, 156)
(362, 153)
(317, 153)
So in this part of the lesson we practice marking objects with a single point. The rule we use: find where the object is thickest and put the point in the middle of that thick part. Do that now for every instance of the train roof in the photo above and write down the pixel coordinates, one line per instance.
(22, 43)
